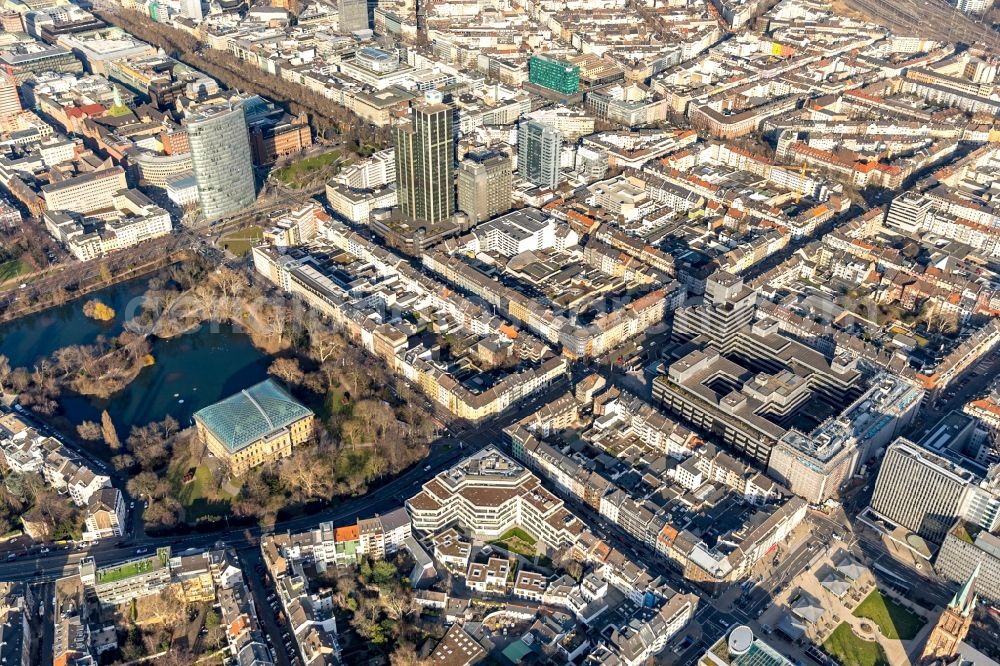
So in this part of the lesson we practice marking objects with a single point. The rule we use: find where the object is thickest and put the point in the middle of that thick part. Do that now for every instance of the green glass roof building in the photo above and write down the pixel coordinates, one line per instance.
(252, 414)
(554, 74)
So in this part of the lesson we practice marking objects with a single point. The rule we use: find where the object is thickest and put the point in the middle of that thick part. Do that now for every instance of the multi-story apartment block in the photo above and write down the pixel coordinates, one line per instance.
(383, 535)
(530, 585)
(105, 515)
(488, 494)
(489, 578)
(524, 230)
(25, 450)
(121, 583)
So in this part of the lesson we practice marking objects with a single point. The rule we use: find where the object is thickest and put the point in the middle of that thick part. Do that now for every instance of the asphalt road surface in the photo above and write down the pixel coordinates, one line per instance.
(57, 563)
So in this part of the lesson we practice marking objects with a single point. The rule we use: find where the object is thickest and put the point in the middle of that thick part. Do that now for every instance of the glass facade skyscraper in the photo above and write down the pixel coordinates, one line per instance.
(554, 74)
(538, 153)
(425, 152)
(220, 158)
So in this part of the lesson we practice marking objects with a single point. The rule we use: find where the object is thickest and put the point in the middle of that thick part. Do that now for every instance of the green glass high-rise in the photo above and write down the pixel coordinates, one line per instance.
(554, 74)
(425, 152)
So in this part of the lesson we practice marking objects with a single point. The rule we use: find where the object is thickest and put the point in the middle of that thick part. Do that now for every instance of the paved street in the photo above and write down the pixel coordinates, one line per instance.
(380, 500)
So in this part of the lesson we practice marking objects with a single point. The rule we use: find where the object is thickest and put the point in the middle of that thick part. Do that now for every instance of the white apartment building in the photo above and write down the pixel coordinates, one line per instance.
(105, 515)
(85, 193)
(489, 494)
(131, 218)
(525, 230)
(26, 450)
(357, 205)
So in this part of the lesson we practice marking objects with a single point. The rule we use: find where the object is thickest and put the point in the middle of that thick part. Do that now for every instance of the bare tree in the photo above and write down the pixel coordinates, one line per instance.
(287, 370)
(323, 342)
(109, 432)
(89, 431)
(306, 471)
(20, 380)
(5, 372)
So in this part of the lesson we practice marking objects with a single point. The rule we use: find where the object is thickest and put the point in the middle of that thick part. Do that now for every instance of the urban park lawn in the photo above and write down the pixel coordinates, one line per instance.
(851, 650)
(894, 620)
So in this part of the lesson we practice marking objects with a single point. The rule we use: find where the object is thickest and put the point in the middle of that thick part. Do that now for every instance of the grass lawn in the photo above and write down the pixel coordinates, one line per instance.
(199, 497)
(135, 567)
(11, 269)
(894, 620)
(294, 175)
(336, 403)
(851, 650)
(518, 533)
(517, 541)
(240, 241)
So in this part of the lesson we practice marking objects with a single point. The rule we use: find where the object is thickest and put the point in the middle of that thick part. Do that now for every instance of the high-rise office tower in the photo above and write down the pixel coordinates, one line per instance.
(425, 152)
(554, 74)
(538, 153)
(10, 103)
(220, 158)
(926, 493)
(484, 185)
(191, 9)
(727, 306)
(353, 15)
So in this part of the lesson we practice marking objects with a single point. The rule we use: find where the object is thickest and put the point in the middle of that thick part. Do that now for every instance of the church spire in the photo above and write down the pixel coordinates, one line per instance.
(965, 599)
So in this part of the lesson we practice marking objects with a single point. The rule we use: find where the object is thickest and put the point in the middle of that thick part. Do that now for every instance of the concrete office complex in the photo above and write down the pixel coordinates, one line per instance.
(816, 465)
(925, 493)
(966, 548)
(257, 425)
(425, 152)
(977, 7)
(538, 153)
(727, 306)
(220, 158)
(85, 193)
(353, 15)
(488, 494)
(129, 219)
(908, 212)
(192, 9)
(10, 102)
(750, 396)
(484, 185)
